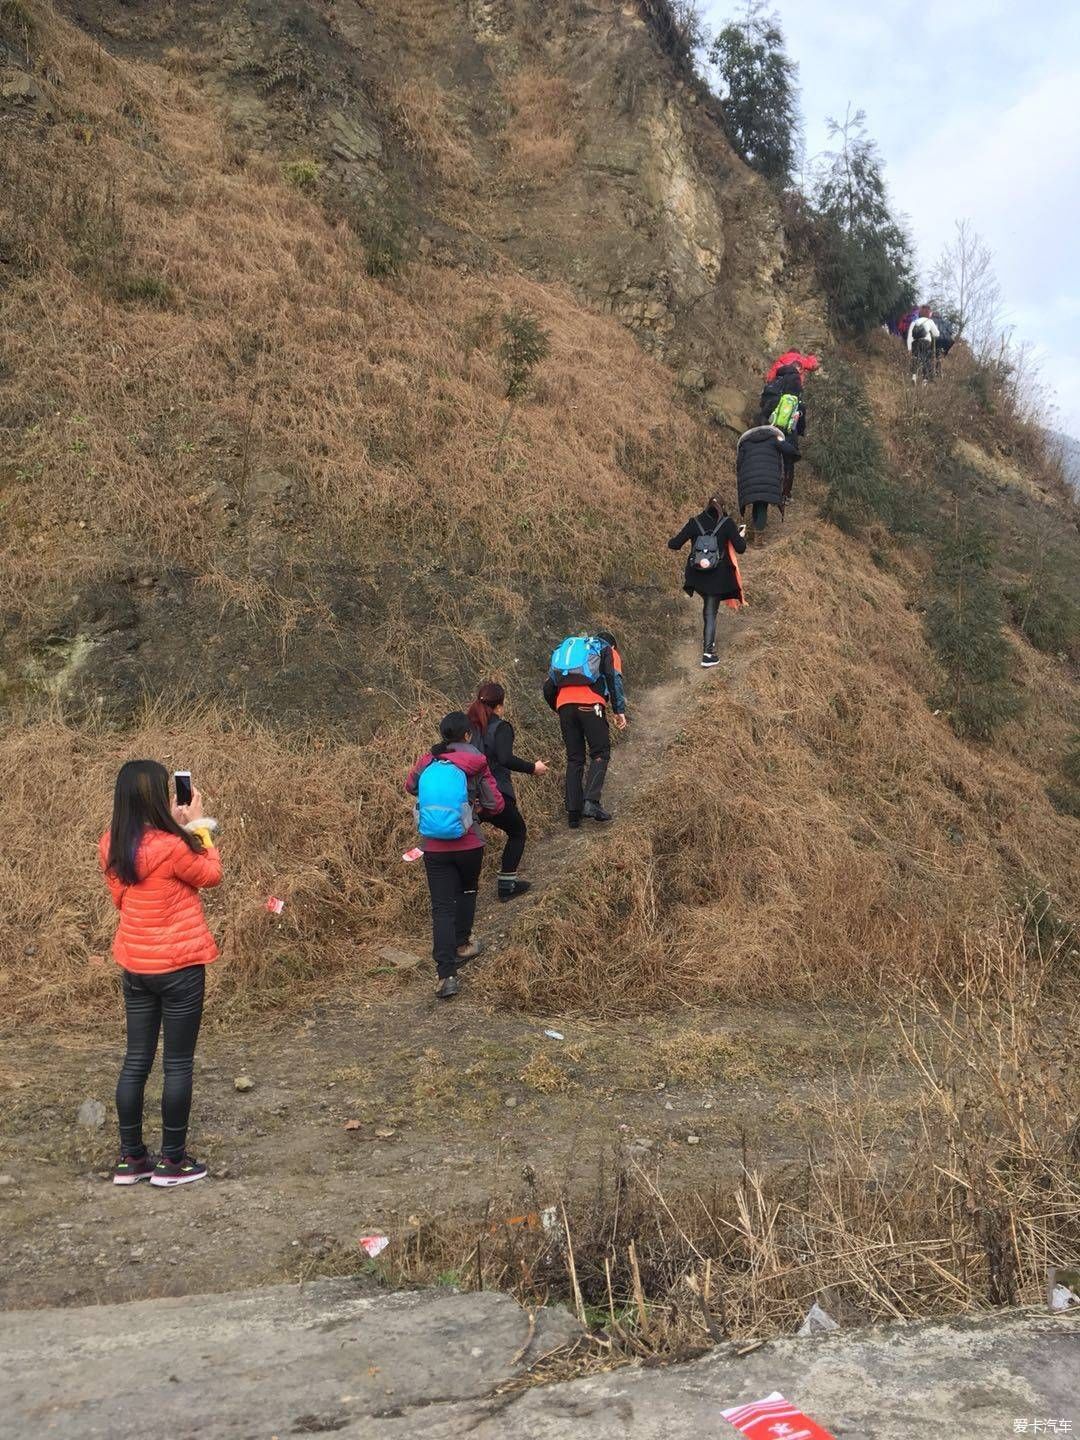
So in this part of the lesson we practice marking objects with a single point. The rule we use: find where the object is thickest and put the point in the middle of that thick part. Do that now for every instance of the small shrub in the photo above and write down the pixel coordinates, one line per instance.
(524, 345)
(964, 625)
(1047, 617)
(846, 451)
(382, 231)
(302, 174)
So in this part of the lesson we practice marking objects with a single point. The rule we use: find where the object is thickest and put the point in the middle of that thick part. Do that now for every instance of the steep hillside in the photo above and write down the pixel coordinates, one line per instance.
(268, 510)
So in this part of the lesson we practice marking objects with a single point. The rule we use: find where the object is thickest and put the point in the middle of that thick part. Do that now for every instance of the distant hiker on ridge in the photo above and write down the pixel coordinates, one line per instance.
(922, 337)
(585, 677)
(712, 570)
(448, 782)
(496, 737)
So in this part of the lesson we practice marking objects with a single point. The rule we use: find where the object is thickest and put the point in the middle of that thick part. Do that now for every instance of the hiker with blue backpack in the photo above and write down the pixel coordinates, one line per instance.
(584, 678)
(453, 785)
(712, 570)
(487, 716)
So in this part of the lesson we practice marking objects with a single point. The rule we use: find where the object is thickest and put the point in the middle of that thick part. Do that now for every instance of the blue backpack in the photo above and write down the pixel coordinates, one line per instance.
(443, 811)
(577, 661)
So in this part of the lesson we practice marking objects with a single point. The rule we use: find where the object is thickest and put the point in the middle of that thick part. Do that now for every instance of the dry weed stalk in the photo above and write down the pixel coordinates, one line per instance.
(964, 1207)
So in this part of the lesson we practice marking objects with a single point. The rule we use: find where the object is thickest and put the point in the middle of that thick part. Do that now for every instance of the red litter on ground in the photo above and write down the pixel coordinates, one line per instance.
(274, 905)
(373, 1245)
(414, 854)
(774, 1418)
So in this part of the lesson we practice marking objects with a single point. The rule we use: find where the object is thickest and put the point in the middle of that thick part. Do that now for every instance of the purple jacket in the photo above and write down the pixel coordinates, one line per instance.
(484, 794)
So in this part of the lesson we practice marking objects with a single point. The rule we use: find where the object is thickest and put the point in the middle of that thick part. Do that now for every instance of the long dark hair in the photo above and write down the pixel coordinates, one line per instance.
(482, 709)
(140, 803)
(453, 728)
(715, 506)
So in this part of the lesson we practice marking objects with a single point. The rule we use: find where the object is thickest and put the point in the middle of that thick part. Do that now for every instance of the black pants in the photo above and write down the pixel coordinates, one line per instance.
(512, 822)
(789, 476)
(173, 1002)
(760, 514)
(711, 605)
(584, 725)
(452, 877)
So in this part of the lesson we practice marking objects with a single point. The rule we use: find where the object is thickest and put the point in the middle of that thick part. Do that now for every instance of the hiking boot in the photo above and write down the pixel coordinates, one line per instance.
(574, 821)
(449, 986)
(468, 952)
(510, 889)
(177, 1172)
(709, 658)
(596, 812)
(130, 1169)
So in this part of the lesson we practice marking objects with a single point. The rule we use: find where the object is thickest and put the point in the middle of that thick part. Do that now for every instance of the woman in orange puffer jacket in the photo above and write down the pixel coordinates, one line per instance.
(156, 857)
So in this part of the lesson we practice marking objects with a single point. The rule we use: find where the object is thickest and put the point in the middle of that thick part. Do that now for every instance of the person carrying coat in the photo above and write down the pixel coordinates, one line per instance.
(759, 469)
(155, 858)
(452, 782)
(711, 568)
(496, 736)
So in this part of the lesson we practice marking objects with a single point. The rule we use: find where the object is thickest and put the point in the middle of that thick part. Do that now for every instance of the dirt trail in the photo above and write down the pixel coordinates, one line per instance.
(379, 1103)
(655, 715)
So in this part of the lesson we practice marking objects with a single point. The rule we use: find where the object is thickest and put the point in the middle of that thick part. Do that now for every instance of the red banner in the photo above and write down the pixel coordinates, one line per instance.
(774, 1418)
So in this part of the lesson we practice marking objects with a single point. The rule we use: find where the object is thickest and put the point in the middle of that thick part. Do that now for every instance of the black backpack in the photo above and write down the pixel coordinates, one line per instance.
(705, 551)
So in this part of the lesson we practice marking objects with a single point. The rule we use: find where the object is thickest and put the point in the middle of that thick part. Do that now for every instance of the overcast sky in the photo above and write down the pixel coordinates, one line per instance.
(975, 105)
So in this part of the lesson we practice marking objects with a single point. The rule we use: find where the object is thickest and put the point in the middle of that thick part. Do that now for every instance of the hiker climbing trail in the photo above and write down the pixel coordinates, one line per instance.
(656, 716)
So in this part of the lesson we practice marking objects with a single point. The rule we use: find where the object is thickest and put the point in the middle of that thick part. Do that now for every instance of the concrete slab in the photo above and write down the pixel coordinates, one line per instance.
(336, 1357)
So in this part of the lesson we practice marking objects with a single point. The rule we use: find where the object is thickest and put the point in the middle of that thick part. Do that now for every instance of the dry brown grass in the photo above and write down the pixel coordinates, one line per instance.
(434, 133)
(963, 1208)
(310, 822)
(841, 833)
(275, 349)
(542, 134)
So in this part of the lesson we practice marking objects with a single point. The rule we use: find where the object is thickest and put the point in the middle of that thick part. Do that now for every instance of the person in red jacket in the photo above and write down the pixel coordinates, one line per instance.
(156, 857)
(453, 866)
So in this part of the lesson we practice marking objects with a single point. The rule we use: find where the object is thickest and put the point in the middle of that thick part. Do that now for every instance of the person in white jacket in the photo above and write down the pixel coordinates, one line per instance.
(922, 337)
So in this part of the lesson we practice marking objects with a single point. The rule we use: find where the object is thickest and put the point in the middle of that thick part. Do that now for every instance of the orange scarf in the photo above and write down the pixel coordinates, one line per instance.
(735, 604)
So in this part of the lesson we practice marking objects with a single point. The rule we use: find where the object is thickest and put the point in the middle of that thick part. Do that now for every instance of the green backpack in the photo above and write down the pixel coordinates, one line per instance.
(786, 414)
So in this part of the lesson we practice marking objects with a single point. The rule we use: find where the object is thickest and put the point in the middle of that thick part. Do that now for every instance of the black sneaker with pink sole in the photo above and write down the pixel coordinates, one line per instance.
(178, 1172)
(130, 1169)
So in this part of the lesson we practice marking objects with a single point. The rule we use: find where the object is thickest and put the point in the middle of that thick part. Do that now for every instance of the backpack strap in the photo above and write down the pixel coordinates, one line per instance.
(716, 528)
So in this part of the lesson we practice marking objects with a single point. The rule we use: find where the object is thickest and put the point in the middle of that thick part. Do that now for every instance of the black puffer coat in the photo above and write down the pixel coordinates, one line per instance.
(759, 465)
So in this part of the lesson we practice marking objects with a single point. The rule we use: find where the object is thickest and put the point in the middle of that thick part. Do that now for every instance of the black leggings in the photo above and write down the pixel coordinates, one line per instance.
(452, 877)
(711, 605)
(511, 820)
(173, 1001)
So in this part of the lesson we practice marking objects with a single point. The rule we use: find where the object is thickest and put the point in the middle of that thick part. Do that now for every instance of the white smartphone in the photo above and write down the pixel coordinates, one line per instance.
(182, 781)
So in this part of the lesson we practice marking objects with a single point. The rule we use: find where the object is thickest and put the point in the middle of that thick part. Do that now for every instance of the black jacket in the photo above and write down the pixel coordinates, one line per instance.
(721, 581)
(499, 749)
(759, 465)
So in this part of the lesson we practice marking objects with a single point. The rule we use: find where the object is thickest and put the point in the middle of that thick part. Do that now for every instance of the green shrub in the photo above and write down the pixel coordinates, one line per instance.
(524, 345)
(964, 626)
(1047, 617)
(846, 451)
(302, 174)
(382, 231)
